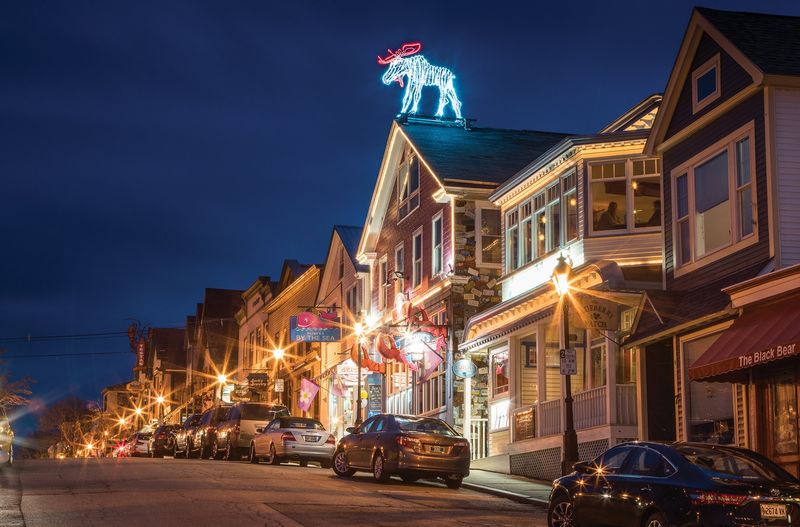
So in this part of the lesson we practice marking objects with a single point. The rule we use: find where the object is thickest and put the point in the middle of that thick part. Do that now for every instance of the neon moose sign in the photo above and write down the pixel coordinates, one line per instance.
(405, 62)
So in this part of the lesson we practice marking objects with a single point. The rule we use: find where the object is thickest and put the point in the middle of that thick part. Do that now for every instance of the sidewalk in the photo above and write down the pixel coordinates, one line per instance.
(517, 488)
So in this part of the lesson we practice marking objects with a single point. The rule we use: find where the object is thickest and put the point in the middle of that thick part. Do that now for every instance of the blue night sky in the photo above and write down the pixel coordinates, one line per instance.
(151, 149)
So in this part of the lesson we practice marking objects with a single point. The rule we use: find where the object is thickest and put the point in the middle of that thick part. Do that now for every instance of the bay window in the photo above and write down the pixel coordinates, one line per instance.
(625, 195)
(714, 200)
(570, 204)
(512, 239)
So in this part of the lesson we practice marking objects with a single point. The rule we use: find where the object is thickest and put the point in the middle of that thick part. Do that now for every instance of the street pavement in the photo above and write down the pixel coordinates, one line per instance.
(199, 493)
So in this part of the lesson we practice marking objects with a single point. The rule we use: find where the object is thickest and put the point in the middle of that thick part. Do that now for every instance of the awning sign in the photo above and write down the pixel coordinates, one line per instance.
(599, 314)
(308, 327)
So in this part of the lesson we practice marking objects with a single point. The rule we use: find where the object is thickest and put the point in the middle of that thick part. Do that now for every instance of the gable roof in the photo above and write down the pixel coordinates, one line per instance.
(771, 42)
(350, 237)
(474, 156)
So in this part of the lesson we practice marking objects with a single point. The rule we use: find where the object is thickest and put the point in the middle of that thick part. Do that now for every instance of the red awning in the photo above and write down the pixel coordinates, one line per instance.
(762, 335)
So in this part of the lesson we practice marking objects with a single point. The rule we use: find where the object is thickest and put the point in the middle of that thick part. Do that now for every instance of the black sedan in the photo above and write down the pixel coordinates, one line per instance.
(681, 484)
(162, 442)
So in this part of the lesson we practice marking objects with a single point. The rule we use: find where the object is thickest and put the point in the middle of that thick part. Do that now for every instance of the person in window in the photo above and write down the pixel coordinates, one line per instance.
(610, 219)
(655, 219)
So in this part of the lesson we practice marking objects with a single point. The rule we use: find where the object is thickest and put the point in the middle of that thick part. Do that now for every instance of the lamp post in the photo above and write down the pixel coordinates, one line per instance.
(561, 277)
(277, 354)
(359, 330)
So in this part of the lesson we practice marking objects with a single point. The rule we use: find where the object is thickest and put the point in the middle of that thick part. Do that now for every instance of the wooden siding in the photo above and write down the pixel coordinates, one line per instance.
(733, 79)
(624, 248)
(787, 174)
(751, 109)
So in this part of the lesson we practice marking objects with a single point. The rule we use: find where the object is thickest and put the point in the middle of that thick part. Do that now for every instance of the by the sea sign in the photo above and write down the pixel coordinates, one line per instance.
(309, 327)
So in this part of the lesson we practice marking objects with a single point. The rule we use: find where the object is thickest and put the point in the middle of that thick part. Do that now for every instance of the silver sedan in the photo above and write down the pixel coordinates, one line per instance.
(293, 438)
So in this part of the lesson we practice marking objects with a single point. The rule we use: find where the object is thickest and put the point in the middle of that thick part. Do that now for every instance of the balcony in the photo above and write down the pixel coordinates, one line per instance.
(590, 409)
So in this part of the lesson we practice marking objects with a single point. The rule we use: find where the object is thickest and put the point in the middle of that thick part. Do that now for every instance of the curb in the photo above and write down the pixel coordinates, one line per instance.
(514, 496)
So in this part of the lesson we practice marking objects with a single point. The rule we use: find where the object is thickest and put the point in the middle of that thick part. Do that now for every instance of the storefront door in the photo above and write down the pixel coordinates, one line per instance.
(780, 420)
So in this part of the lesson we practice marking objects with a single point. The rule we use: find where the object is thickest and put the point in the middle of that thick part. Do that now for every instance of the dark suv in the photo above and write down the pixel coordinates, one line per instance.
(234, 436)
(204, 437)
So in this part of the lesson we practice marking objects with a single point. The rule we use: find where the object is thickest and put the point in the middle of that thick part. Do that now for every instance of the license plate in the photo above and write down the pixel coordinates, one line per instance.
(435, 449)
(311, 439)
(773, 511)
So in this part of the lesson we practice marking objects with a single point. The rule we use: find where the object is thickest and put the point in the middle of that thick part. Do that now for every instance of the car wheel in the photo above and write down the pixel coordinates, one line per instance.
(340, 465)
(253, 457)
(228, 454)
(273, 456)
(303, 462)
(561, 512)
(214, 451)
(408, 478)
(190, 450)
(655, 520)
(379, 470)
(453, 482)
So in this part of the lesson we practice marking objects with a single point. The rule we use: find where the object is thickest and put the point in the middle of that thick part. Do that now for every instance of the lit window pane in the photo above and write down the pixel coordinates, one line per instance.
(490, 236)
(527, 241)
(684, 243)
(647, 201)
(571, 204)
(555, 225)
(541, 234)
(608, 205)
(712, 205)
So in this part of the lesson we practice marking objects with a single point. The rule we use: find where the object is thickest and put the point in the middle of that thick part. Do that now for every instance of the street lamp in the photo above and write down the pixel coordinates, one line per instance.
(561, 277)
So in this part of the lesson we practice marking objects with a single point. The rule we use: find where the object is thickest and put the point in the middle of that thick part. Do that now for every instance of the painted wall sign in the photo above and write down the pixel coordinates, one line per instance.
(308, 327)
(524, 425)
(418, 72)
(464, 368)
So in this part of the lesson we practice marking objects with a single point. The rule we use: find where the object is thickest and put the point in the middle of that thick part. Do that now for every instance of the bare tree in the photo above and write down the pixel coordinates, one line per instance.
(13, 392)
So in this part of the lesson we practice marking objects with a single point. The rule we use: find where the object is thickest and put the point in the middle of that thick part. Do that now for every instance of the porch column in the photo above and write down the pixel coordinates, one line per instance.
(514, 379)
(541, 372)
(611, 379)
(641, 393)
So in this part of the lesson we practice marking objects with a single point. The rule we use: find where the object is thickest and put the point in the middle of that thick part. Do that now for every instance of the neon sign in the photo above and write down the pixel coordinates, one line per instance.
(405, 62)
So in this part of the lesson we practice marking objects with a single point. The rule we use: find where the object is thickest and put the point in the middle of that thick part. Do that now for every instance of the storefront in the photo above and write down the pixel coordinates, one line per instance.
(750, 370)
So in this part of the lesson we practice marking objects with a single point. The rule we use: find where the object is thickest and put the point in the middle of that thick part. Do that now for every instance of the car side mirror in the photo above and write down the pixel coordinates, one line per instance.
(583, 467)
(260, 430)
(351, 430)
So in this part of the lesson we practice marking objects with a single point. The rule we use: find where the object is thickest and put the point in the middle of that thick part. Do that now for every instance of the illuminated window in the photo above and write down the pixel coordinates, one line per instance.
(714, 201)
(416, 249)
(399, 267)
(437, 250)
(570, 204)
(489, 238)
(408, 185)
(499, 373)
(625, 195)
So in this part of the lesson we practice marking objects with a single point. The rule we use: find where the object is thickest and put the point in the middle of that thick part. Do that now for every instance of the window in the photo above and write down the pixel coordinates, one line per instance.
(714, 211)
(646, 462)
(489, 251)
(611, 461)
(705, 84)
(408, 185)
(416, 249)
(341, 263)
(709, 405)
(528, 350)
(436, 245)
(399, 267)
(499, 373)
(383, 279)
(526, 234)
(784, 413)
(512, 239)
(554, 217)
(625, 195)
(570, 204)
(352, 300)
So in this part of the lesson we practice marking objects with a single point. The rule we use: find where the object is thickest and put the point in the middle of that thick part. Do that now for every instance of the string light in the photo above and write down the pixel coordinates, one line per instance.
(420, 73)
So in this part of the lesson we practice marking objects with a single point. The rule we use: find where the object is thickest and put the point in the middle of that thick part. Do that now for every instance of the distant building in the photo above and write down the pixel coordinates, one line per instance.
(253, 331)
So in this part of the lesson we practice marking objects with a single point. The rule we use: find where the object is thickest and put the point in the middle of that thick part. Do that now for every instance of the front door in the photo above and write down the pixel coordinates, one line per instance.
(781, 397)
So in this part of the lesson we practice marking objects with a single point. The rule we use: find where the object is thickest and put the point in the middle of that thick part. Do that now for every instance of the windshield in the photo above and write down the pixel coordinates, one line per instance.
(262, 412)
(430, 426)
(193, 420)
(729, 463)
(307, 424)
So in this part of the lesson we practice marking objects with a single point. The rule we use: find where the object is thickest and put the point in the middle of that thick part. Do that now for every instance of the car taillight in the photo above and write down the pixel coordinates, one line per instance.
(701, 497)
(236, 429)
(331, 440)
(287, 436)
(408, 442)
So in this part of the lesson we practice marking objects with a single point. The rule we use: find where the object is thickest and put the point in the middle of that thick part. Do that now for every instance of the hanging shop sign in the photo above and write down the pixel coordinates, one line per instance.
(464, 368)
(568, 362)
(406, 65)
(598, 313)
(257, 380)
(308, 327)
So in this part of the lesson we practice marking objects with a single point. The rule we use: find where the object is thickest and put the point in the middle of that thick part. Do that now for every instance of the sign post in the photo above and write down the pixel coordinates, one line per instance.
(568, 361)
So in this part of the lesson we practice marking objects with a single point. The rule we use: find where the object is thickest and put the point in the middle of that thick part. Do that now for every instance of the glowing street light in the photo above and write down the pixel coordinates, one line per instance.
(122, 421)
(222, 378)
(561, 276)
(277, 353)
(359, 329)
(160, 399)
(138, 411)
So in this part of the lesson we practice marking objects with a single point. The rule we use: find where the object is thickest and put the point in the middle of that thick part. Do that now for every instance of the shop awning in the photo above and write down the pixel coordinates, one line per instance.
(760, 336)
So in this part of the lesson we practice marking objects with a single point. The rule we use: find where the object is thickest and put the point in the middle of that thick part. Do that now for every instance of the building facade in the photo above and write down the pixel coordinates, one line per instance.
(253, 342)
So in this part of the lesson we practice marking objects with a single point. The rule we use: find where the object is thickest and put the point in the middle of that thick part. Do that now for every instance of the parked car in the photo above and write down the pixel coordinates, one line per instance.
(409, 446)
(297, 438)
(6, 439)
(234, 436)
(183, 434)
(162, 442)
(686, 484)
(138, 444)
(204, 436)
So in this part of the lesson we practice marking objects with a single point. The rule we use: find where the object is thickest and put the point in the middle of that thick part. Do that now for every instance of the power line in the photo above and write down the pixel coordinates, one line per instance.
(65, 354)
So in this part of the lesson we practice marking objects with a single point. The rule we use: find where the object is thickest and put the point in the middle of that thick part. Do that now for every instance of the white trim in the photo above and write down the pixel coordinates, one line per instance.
(701, 70)
(416, 280)
(480, 206)
(440, 217)
(737, 242)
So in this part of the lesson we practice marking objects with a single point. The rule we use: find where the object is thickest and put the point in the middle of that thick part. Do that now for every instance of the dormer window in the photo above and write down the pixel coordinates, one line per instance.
(705, 84)
(408, 185)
